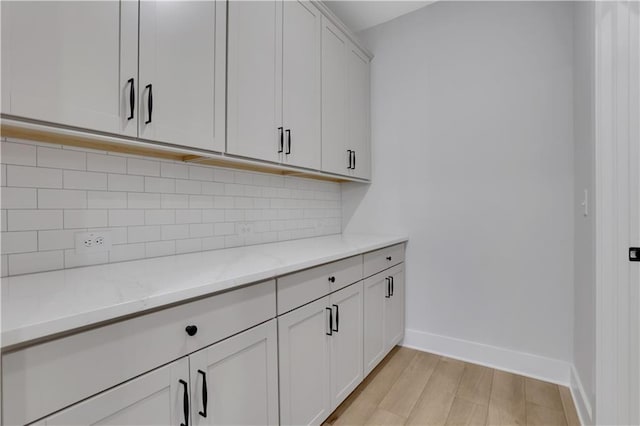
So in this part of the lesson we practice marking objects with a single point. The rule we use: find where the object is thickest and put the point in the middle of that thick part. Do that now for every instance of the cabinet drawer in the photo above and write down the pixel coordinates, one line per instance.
(46, 377)
(379, 260)
(302, 287)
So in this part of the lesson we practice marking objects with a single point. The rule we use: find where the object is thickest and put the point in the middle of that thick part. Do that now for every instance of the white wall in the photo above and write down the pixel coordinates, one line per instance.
(473, 158)
(584, 331)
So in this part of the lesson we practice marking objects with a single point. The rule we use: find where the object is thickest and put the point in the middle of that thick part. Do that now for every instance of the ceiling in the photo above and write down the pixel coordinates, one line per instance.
(359, 15)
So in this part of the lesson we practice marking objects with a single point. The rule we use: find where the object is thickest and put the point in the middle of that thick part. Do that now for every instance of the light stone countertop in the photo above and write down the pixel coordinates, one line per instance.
(44, 304)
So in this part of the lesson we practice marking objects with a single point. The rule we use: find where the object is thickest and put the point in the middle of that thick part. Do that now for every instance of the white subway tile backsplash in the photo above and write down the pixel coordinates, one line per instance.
(61, 199)
(223, 202)
(56, 240)
(200, 201)
(201, 230)
(224, 228)
(106, 163)
(143, 234)
(18, 153)
(138, 166)
(175, 232)
(213, 215)
(174, 201)
(5, 265)
(35, 262)
(143, 200)
(160, 248)
(106, 200)
(33, 177)
(213, 188)
(84, 180)
(19, 242)
(150, 207)
(189, 245)
(19, 198)
(33, 220)
(212, 243)
(61, 158)
(126, 183)
(159, 217)
(200, 173)
(188, 186)
(74, 219)
(163, 185)
(174, 170)
(188, 216)
(122, 252)
(73, 259)
(126, 217)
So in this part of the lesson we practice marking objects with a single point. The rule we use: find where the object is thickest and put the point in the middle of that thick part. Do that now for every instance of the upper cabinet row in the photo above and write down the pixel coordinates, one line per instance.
(297, 88)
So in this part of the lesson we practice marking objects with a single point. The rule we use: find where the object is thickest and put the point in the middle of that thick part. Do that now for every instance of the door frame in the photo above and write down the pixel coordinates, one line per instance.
(617, 121)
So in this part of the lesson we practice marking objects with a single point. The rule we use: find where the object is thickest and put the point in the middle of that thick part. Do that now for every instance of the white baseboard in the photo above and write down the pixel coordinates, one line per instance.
(538, 367)
(580, 398)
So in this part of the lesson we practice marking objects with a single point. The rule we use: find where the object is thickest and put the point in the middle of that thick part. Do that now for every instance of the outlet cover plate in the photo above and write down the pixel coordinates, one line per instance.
(93, 242)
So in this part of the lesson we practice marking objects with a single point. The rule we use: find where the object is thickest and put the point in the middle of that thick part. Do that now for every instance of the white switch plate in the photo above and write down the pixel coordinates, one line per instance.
(92, 242)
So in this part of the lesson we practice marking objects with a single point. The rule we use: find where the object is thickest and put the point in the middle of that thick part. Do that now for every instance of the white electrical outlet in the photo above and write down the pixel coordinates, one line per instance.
(245, 228)
(91, 242)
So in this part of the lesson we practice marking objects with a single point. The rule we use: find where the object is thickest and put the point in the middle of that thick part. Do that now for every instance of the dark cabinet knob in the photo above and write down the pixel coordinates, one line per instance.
(332, 279)
(389, 258)
(191, 330)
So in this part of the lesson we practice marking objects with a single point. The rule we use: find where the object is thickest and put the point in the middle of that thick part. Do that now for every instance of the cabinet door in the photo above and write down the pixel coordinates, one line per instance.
(155, 398)
(254, 85)
(301, 83)
(304, 364)
(375, 300)
(235, 382)
(394, 317)
(335, 47)
(70, 63)
(359, 122)
(182, 72)
(346, 342)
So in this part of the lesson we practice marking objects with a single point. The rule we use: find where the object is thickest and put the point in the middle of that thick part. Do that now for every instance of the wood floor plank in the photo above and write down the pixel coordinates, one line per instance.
(569, 407)
(543, 394)
(465, 413)
(357, 413)
(507, 403)
(437, 398)
(537, 415)
(475, 385)
(378, 386)
(405, 392)
(507, 386)
(385, 418)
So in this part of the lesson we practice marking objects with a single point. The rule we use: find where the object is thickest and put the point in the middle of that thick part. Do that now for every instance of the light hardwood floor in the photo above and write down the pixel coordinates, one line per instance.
(417, 388)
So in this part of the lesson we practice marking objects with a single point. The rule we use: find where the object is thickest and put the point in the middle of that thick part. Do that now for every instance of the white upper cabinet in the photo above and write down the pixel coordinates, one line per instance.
(182, 73)
(254, 103)
(274, 82)
(335, 47)
(71, 63)
(345, 105)
(301, 84)
(359, 110)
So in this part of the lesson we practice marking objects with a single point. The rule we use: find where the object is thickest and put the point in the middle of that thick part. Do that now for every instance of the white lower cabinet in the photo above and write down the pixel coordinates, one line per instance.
(346, 342)
(383, 314)
(320, 356)
(304, 364)
(235, 382)
(155, 398)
